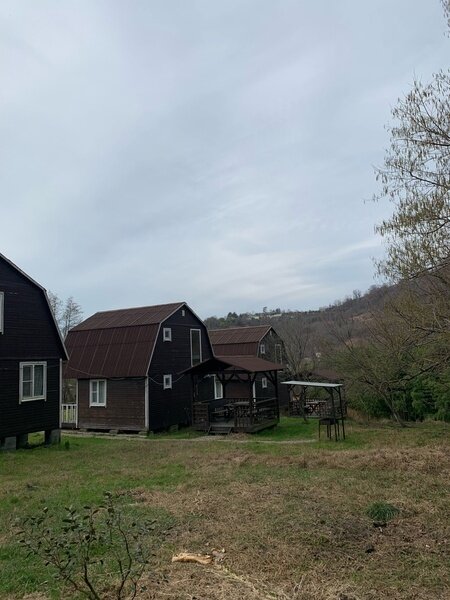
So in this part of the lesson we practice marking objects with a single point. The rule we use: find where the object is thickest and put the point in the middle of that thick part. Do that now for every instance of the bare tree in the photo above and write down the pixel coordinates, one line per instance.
(67, 313)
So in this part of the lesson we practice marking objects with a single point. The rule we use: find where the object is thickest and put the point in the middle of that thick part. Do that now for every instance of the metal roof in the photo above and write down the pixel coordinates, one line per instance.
(116, 343)
(313, 384)
(239, 335)
(127, 317)
(243, 364)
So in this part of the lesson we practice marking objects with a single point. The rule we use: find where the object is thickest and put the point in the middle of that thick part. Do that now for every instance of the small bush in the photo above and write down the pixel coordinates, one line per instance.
(382, 512)
(97, 551)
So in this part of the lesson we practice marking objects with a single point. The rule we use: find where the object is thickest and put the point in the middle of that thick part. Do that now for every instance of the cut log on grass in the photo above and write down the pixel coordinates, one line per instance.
(202, 559)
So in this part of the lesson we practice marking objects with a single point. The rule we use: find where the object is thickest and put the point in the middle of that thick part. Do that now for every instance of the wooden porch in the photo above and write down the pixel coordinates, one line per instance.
(245, 415)
(245, 411)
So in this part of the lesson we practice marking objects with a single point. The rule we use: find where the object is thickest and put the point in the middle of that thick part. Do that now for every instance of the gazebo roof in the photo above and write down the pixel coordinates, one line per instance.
(233, 364)
(313, 384)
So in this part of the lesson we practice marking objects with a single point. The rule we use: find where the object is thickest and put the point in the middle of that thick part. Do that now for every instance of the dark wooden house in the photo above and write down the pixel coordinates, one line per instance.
(31, 355)
(127, 365)
(260, 341)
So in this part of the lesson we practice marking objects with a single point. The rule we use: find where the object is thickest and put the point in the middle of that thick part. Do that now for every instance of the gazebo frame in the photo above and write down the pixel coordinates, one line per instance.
(330, 413)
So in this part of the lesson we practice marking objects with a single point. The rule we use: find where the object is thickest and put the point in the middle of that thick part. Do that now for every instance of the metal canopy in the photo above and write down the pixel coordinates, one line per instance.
(313, 384)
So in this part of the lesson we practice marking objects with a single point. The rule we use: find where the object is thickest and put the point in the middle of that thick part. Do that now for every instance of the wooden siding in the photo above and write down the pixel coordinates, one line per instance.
(36, 415)
(270, 340)
(29, 330)
(124, 410)
(174, 406)
(29, 334)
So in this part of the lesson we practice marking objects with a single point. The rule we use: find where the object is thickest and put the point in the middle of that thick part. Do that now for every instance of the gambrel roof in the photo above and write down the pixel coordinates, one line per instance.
(116, 343)
(238, 341)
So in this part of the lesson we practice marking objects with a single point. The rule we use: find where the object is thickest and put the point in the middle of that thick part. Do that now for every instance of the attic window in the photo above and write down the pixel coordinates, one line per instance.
(264, 383)
(262, 348)
(167, 334)
(183, 312)
(2, 303)
(167, 382)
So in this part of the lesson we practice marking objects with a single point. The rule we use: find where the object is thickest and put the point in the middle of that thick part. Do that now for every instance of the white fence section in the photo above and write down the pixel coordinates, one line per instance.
(69, 414)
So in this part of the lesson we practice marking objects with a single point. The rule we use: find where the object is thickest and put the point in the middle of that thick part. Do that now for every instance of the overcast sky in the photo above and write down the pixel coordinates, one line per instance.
(214, 151)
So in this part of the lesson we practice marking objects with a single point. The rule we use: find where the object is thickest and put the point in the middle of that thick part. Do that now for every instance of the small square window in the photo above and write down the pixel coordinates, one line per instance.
(262, 348)
(167, 382)
(97, 392)
(167, 334)
(264, 382)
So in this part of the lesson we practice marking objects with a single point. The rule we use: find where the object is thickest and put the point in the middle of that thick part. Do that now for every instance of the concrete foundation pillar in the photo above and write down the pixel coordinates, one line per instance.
(22, 440)
(8, 443)
(52, 436)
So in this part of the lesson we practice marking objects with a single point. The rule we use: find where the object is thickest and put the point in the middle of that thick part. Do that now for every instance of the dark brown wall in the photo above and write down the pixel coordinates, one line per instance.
(29, 335)
(171, 407)
(270, 340)
(37, 415)
(125, 406)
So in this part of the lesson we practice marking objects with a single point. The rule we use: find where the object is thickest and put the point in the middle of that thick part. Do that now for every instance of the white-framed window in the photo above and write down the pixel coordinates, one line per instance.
(183, 312)
(218, 388)
(264, 383)
(97, 392)
(2, 311)
(167, 334)
(167, 382)
(278, 354)
(196, 347)
(262, 348)
(33, 381)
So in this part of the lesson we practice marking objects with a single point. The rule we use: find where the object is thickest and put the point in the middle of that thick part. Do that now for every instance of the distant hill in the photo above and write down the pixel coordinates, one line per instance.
(307, 333)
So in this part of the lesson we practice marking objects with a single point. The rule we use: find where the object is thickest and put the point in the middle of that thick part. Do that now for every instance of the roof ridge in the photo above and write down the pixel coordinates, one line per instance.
(103, 312)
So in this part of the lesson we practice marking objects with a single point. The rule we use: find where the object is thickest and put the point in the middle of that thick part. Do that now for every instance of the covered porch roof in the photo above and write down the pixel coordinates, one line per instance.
(233, 364)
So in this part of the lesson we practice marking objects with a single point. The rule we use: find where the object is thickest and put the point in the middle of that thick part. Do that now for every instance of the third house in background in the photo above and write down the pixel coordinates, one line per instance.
(261, 341)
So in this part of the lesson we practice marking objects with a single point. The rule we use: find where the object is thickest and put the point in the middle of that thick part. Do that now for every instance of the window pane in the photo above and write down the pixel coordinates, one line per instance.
(39, 380)
(27, 373)
(101, 392)
(26, 389)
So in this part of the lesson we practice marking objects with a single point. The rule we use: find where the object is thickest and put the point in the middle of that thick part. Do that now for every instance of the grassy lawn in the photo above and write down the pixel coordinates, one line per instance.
(291, 516)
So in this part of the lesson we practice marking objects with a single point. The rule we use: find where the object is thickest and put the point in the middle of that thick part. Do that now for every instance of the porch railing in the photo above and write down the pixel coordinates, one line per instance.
(240, 413)
(69, 414)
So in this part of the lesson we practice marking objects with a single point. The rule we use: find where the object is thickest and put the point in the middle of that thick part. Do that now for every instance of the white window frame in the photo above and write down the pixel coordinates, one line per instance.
(217, 382)
(2, 311)
(264, 383)
(183, 312)
(95, 404)
(167, 334)
(33, 364)
(167, 382)
(201, 350)
(262, 348)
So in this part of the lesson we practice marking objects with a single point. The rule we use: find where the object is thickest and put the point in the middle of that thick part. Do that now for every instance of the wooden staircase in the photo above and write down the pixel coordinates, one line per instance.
(219, 429)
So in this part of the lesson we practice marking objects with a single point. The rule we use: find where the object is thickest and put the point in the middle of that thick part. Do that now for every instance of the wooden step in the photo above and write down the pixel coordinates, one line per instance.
(220, 430)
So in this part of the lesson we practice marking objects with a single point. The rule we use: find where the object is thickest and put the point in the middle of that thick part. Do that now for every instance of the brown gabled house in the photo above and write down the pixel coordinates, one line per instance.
(128, 363)
(31, 355)
(261, 341)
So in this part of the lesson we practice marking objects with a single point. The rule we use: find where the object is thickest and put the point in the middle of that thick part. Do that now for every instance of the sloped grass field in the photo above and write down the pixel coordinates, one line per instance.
(292, 517)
